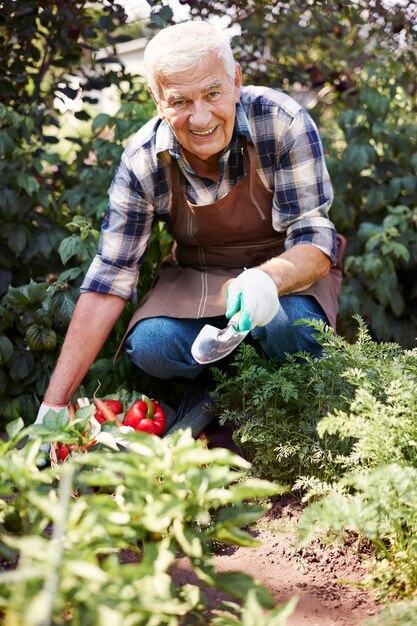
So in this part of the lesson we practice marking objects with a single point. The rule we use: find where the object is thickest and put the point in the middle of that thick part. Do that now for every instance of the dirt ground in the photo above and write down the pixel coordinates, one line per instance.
(320, 576)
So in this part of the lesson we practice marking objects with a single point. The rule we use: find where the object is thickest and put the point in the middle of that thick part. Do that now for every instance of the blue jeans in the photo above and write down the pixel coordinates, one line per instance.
(161, 346)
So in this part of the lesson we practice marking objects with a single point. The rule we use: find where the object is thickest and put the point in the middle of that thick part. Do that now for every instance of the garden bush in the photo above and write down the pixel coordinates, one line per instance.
(159, 499)
(341, 432)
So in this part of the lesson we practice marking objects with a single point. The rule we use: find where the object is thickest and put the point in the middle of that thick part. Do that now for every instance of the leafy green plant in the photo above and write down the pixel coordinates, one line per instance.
(277, 407)
(157, 499)
(398, 614)
(251, 614)
(342, 429)
(379, 504)
(373, 163)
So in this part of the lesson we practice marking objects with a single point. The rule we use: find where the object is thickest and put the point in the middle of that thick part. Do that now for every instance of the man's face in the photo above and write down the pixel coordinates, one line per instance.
(200, 106)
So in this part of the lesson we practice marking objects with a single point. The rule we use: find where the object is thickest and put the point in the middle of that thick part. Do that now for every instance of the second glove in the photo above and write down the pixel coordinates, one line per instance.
(254, 295)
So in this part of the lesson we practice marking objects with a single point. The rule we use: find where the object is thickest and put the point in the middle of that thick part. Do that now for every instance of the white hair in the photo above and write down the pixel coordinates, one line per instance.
(183, 46)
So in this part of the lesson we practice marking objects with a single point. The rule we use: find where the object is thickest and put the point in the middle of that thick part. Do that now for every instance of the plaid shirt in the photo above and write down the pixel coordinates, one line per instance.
(291, 165)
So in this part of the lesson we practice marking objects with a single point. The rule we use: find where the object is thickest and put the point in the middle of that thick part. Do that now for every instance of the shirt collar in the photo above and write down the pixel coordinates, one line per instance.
(242, 123)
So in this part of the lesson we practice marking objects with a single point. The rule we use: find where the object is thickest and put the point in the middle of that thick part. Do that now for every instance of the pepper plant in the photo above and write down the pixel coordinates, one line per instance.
(158, 499)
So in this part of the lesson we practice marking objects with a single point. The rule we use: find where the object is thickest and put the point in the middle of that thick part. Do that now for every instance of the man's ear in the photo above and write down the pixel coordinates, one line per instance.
(238, 82)
(157, 103)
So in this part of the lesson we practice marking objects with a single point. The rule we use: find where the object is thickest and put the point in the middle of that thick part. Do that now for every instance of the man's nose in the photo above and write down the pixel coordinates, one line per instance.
(200, 115)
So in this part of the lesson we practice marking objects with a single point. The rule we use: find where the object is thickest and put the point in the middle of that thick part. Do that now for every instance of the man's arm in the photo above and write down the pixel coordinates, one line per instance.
(94, 317)
(297, 268)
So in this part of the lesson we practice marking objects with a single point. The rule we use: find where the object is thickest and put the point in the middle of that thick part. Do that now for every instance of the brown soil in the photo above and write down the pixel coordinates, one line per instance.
(323, 578)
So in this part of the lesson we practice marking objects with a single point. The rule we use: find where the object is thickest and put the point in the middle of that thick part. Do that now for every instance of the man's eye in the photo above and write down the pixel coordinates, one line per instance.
(178, 103)
(213, 95)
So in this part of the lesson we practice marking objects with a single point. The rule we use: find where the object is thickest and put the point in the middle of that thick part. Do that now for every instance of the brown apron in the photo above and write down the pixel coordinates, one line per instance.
(214, 243)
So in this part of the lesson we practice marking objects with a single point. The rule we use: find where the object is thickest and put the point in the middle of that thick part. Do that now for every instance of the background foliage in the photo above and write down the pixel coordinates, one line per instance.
(54, 176)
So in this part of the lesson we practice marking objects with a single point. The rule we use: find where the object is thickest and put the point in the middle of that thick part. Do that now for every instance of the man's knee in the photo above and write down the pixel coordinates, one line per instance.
(282, 336)
(161, 347)
(149, 344)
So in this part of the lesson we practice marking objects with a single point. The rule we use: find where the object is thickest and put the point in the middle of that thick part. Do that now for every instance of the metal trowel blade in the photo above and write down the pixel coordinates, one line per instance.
(213, 344)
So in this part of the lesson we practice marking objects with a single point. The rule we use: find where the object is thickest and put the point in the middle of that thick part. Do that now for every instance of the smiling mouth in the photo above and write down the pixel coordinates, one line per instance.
(203, 133)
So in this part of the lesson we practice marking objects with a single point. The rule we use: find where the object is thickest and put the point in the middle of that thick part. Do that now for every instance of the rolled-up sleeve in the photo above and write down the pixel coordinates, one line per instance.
(124, 237)
(303, 191)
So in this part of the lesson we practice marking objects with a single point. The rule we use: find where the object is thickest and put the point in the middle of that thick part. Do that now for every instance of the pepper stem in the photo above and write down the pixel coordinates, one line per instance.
(149, 412)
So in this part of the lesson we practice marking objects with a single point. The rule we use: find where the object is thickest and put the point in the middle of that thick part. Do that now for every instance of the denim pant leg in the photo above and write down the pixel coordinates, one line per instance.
(280, 336)
(161, 346)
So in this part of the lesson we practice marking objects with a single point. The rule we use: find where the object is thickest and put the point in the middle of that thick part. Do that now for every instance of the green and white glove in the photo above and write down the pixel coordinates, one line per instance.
(254, 295)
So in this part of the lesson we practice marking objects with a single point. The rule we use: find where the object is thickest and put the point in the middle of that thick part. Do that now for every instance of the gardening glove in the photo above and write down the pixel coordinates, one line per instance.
(46, 447)
(254, 295)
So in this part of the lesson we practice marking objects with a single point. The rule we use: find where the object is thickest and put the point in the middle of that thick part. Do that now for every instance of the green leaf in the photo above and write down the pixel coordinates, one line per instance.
(86, 412)
(70, 274)
(42, 317)
(239, 584)
(13, 410)
(63, 306)
(36, 291)
(17, 239)
(40, 337)
(397, 303)
(23, 298)
(356, 157)
(235, 536)
(376, 102)
(69, 247)
(55, 420)
(398, 250)
(413, 162)
(21, 365)
(375, 200)
(18, 299)
(14, 428)
(240, 514)
(6, 144)
(100, 121)
(6, 349)
(28, 183)
(255, 488)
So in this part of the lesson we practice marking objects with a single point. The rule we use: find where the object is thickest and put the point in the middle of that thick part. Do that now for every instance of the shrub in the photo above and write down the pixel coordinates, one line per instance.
(277, 407)
(158, 499)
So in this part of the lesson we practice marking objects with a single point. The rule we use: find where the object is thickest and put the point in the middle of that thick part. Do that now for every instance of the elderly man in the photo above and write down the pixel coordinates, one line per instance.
(239, 177)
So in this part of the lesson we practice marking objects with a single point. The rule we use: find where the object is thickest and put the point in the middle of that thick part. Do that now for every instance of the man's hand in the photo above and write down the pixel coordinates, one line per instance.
(44, 408)
(254, 295)
(46, 447)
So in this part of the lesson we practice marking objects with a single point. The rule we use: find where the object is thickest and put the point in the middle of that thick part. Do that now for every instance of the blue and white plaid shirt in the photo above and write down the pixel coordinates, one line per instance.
(291, 164)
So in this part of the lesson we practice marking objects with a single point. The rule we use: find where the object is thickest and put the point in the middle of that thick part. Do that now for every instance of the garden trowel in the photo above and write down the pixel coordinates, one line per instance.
(212, 344)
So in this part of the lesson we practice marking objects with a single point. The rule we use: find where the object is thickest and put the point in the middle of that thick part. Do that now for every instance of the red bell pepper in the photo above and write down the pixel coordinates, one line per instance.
(146, 415)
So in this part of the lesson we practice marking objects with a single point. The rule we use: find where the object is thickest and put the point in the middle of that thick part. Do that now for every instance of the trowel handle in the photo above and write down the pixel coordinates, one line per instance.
(231, 328)
(234, 321)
